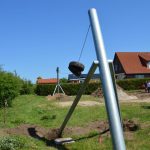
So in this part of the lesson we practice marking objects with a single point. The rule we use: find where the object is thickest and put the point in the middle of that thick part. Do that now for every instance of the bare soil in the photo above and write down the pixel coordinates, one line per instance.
(63, 100)
(38, 132)
(81, 103)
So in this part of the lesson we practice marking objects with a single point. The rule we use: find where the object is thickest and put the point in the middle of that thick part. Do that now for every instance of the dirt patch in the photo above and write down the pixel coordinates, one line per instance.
(98, 93)
(81, 103)
(142, 95)
(38, 132)
(59, 97)
(20, 130)
(130, 125)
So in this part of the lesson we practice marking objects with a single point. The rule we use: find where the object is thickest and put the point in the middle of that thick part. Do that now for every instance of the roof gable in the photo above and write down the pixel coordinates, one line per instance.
(132, 63)
(145, 56)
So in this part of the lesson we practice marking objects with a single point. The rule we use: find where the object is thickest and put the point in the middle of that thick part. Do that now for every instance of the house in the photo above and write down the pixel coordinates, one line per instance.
(73, 79)
(132, 64)
(47, 81)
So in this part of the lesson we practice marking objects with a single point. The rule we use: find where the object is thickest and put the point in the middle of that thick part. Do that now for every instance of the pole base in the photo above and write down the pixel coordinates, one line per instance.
(62, 141)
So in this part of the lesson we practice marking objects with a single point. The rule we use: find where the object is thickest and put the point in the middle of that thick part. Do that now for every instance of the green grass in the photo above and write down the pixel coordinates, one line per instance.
(38, 110)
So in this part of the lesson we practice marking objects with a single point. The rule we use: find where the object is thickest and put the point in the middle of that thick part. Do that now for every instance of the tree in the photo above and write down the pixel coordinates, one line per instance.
(10, 86)
(63, 80)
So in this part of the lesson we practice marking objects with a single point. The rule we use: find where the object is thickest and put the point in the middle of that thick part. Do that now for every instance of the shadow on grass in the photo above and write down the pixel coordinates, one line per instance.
(93, 135)
(50, 143)
(146, 107)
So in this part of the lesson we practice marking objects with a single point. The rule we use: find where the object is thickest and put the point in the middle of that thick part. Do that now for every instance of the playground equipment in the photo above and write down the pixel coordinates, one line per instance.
(107, 85)
(76, 68)
(58, 84)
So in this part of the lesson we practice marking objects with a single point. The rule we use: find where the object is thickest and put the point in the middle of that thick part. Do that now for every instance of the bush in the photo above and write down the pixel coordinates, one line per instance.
(69, 89)
(44, 89)
(72, 89)
(9, 87)
(27, 87)
(11, 143)
(132, 84)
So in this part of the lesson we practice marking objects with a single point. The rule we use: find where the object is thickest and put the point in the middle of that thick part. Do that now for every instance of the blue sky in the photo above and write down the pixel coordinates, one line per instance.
(36, 36)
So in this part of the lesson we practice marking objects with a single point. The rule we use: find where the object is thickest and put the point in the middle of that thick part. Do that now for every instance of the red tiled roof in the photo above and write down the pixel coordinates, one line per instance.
(145, 56)
(131, 62)
(47, 81)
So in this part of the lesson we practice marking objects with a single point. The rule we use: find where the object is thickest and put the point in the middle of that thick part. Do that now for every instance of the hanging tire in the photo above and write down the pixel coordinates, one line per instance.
(76, 68)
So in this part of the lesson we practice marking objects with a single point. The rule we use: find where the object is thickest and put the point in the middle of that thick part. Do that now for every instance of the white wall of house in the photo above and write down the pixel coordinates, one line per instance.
(148, 65)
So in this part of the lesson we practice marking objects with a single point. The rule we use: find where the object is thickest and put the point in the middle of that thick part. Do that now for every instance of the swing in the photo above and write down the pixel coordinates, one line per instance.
(76, 68)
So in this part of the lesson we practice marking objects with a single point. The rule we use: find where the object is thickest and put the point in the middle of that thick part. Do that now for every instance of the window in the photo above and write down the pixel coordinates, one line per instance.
(139, 76)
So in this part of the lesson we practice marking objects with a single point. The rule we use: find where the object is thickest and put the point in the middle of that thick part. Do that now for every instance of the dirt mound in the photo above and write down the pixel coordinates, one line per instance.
(60, 96)
(52, 134)
(98, 93)
(122, 95)
(130, 125)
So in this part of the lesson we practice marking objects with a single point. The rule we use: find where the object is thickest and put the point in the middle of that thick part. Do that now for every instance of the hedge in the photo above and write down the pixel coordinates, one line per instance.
(69, 88)
(132, 84)
(72, 89)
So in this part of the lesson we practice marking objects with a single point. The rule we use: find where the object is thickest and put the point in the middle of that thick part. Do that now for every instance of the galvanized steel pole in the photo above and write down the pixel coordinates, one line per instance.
(57, 70)
(111, 67)
(107, 84)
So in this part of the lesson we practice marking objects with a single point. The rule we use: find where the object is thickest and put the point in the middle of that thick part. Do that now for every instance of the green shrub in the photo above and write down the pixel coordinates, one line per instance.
(132, 84)
(44, 89)
(69, 88)
(11, 143)
(27, 87)
(9, 87)
(72, 88)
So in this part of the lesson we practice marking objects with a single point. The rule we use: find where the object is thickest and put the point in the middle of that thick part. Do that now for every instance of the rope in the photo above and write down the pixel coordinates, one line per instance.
(84, 43)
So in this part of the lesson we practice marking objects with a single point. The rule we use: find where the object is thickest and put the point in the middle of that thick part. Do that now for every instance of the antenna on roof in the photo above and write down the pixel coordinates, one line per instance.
(58, 86)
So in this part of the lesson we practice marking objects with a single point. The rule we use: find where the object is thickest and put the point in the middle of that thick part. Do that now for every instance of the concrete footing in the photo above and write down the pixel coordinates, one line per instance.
(61, 141)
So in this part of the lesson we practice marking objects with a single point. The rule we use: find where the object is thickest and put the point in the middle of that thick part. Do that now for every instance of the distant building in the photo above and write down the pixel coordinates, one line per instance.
(47, 81)
(73, 79)
(132, 64)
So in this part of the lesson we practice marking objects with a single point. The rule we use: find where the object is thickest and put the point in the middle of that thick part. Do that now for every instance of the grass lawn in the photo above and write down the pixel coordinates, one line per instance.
(36, 110)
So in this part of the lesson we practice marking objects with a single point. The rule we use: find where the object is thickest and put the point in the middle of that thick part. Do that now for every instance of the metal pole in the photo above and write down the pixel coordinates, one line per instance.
(114, 85)
(79, 94)
(107, 84)
(57, 70)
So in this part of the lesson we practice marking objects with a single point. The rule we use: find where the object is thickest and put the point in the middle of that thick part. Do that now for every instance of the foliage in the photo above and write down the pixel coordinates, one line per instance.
(9, 87)
(44, 89)
(132, 84)
(72, 88)
(63, 80)
(11, 143)
(27, 87)
(69, 88)
(39, 77)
